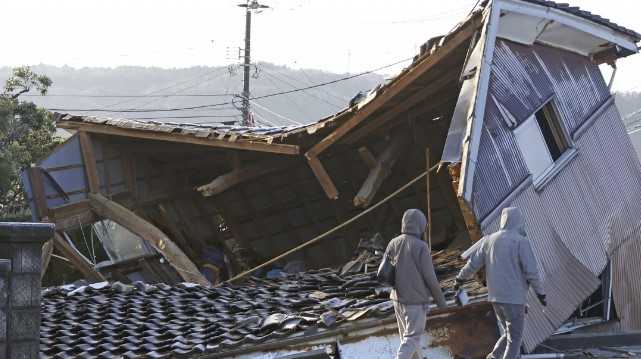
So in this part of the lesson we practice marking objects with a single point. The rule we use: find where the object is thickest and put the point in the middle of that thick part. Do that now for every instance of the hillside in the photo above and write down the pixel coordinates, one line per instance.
(86, 88)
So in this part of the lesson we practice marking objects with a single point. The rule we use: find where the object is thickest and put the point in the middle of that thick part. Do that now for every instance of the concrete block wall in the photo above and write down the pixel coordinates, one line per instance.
(20, 268)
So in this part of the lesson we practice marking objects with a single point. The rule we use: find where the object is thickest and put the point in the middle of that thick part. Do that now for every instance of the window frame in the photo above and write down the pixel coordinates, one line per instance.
(542, 179)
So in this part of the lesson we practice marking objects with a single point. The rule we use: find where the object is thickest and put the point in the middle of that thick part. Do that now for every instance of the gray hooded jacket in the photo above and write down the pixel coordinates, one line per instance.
(416, 280)
(510, 266)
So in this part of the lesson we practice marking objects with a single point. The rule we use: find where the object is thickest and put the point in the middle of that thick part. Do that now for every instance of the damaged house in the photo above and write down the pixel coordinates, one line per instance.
(509, 108)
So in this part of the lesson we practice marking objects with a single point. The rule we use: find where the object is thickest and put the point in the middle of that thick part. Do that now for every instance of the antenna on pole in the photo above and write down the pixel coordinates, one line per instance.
(250, 6)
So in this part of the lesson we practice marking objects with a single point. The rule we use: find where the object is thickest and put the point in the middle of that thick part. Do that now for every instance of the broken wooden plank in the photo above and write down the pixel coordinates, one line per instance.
(80, 262)
(106, 208)
(323, 177)
(224, 182)
(407, 78)
(247, 145)
(381, 171)
(367, 156)
(89, 159)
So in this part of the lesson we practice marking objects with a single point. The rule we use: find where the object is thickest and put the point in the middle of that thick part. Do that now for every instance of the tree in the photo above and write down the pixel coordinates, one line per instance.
(26, 135)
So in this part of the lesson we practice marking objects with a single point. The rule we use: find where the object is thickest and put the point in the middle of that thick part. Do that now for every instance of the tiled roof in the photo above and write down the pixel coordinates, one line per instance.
(220, 131)
(105, 320)
(575, 10)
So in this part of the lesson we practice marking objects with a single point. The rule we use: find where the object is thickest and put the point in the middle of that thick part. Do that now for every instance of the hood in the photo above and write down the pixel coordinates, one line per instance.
(512, 219)
(414, 223)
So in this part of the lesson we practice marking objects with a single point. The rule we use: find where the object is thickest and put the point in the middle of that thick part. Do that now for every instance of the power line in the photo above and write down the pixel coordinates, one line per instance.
(275, 113)
(134, 96)
(183, 117)
(173, 85)
(133, 110)
(206, 78)
(289, 97)
(305, 92)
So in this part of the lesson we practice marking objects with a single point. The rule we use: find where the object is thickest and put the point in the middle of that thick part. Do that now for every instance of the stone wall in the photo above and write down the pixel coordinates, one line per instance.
(20, 268)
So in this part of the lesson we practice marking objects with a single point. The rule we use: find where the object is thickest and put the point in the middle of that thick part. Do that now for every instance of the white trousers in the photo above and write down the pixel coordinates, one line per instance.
(411, 320)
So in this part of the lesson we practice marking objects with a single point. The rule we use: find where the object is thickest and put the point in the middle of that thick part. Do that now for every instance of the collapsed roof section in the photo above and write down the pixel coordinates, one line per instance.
(251, 185)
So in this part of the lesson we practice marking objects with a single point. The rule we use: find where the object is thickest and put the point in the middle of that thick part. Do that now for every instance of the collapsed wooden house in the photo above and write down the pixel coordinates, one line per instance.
(511, 103)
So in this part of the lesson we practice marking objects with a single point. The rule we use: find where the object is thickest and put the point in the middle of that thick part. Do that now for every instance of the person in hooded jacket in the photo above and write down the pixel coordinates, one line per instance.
(510, 269)
(415, 282)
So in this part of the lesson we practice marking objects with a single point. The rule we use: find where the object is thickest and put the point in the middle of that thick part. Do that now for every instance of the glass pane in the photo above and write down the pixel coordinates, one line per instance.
(533, 147)
(119, 242)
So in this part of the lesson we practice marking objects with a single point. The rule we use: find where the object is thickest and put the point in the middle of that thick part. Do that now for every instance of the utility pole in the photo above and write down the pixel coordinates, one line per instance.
(249, 6)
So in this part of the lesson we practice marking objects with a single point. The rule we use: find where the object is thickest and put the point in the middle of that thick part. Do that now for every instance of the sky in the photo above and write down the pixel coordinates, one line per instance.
(343, 36)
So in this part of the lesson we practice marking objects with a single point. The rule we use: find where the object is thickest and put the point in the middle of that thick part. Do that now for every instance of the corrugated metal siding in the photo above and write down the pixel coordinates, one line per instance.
(517, 80)
(626, 286)
(575, 222)
(594, 202)
(577, 83)
(522, 79)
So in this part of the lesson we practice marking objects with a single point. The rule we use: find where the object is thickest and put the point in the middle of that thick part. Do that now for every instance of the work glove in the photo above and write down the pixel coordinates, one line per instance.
(458, 283)
(542, 299)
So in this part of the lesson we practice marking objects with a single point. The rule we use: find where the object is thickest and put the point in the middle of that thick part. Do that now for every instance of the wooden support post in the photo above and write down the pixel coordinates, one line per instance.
(106, 208)
(367, 157)
(224, 182)
(472, 225)
(429, 197)
(86, 147)
(323, 177)
(38, 190)
(80, 262)
(381, 171)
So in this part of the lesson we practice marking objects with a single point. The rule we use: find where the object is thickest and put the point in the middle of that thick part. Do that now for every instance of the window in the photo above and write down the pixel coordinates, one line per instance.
(542, 140)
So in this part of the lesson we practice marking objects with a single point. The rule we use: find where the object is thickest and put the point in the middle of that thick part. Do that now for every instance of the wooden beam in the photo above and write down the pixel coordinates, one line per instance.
(471, 224)
(38, 191)
(368, 157)
(80, 262)
(381, 171)
(72, 215)
(323, 177)
(426, 94)
(224, 182)
(247, 145)
(393, 89)
(89, 159)
(106, 208)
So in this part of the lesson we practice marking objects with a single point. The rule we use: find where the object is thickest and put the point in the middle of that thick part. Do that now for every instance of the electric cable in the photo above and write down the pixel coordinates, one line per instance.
(134, 110)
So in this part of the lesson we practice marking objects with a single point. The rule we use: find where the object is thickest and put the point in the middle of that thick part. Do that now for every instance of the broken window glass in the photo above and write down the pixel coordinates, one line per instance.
(119, 243)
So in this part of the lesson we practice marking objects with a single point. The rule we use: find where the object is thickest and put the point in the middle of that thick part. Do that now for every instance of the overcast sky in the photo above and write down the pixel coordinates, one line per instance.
(334, 35)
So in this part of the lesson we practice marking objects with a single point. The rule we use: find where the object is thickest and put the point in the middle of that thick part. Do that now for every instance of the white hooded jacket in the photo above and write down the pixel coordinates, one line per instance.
(509, 262)
(416, 280)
